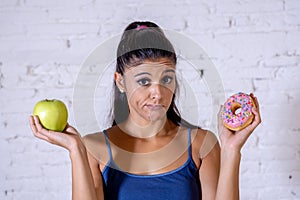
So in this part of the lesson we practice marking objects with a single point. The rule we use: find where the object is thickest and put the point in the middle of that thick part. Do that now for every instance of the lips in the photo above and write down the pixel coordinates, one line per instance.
(154, 107)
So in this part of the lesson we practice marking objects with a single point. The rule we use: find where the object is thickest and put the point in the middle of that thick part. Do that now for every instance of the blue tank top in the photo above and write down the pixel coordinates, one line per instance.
(179, 184)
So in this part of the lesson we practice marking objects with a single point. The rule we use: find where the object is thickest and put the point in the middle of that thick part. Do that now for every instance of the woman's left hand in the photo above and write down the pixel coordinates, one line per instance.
(234, 140)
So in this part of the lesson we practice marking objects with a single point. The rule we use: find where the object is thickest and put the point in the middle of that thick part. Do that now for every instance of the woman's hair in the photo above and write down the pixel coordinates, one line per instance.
(143, 41)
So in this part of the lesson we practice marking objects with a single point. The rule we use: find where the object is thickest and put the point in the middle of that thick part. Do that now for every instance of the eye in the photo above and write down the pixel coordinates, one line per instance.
(144, 81)
(167, 80)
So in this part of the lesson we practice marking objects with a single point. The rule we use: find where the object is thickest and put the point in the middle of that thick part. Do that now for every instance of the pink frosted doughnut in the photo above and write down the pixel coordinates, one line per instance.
(237, 111)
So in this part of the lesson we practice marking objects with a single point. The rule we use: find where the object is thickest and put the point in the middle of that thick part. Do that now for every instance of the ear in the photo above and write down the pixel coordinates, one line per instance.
(119, 81)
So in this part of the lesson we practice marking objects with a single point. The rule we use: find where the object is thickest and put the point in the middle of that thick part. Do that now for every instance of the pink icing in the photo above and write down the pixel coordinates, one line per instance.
(233, 118)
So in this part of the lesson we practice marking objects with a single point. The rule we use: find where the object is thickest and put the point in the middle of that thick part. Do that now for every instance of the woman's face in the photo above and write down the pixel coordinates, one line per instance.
(149, 88)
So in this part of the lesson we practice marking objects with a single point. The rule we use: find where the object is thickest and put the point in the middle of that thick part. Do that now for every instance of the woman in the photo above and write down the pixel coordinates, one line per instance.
(150, 152)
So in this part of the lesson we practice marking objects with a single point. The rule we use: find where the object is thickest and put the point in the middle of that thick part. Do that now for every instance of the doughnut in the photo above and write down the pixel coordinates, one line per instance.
(237, 111)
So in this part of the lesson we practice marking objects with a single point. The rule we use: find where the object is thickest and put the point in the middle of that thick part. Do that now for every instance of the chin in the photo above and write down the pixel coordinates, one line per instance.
(157, 115)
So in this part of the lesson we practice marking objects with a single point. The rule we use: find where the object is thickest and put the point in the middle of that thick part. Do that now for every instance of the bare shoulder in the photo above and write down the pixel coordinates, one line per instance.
(96, 146)
(204, 142)
(94, 138)
(209, 154)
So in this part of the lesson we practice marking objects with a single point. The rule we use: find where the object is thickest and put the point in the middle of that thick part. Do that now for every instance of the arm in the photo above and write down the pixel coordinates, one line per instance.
(83, 186)
(82, 179)
(209, 171)
(219, 174)
(228, 185)
(219, 171)
(231, 145)
(97, 175)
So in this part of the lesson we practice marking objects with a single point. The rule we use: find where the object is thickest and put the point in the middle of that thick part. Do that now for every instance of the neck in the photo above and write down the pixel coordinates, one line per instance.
(148, 130)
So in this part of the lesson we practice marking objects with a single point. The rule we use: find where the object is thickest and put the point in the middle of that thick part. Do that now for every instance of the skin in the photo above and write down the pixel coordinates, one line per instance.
(144, 86)
(149, 95)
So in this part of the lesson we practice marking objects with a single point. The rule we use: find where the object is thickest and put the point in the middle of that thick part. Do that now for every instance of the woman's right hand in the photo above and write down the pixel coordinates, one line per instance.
(69, 139)
(83, 186)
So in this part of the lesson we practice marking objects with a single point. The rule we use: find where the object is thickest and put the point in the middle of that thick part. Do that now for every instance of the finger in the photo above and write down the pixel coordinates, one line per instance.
(257, 104)
(35, 130)
(220, 114)
(41, 129)
(257, 117)
(37, 123)
(256, 121)
(70, 129)
(222, 129)
(42, 132)
(41, 136)
(254, 98)
(32, 124)
(220, 120)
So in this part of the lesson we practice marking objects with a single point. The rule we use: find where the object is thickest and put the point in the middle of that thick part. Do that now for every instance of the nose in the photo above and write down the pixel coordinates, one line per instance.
(155, 91)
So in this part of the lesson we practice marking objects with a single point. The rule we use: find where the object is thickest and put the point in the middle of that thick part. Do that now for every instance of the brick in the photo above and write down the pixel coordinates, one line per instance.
(292, 18)
(240, 85)
(61, 29)
(288, 60)
(273, 97)
(20, 15)
(280, 192)
(259, 21)
(250, 167)
(234, 6)
(291, 5)
(267, 84)
(248, 192)
(52, 75)
(196, 24)
(7, 3)
(55, 4)
(282, 137)
(249, 46)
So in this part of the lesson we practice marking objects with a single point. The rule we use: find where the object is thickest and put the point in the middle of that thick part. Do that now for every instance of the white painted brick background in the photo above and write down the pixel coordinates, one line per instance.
(255, 45)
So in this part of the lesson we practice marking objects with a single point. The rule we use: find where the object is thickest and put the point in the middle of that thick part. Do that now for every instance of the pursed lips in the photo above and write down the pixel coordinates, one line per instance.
(154, 106)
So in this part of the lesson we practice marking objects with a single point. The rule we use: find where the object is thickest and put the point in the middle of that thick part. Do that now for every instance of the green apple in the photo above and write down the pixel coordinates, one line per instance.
(52, 113)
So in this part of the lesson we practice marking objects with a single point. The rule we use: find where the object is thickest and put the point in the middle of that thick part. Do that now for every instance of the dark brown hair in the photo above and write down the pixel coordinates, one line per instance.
(143, 41)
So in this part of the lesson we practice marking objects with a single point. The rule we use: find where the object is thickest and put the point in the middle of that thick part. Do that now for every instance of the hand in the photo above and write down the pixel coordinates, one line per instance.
(235, 140)
(69, 139)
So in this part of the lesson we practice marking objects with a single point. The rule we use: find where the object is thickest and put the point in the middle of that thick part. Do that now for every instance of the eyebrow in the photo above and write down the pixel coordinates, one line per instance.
(169, 70)
(142, 73)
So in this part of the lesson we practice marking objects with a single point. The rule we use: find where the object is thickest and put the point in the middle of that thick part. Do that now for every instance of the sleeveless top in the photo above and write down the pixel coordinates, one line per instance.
(179, 184)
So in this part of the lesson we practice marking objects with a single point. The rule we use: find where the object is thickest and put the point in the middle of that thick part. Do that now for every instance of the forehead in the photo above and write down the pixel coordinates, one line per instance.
(152, 67)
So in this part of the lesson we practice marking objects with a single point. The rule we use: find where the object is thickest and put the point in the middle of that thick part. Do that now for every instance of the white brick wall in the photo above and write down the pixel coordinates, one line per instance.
(255, 45)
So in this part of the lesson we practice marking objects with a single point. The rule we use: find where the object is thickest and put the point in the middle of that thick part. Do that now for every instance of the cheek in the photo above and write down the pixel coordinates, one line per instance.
(168, 90)
(136, 95)
(132, 89)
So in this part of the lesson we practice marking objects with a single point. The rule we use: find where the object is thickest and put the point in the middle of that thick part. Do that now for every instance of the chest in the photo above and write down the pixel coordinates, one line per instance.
(142, 157)
(182, 183)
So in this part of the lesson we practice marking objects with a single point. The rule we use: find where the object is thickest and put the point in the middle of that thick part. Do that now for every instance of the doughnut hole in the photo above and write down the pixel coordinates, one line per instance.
(236, 108)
